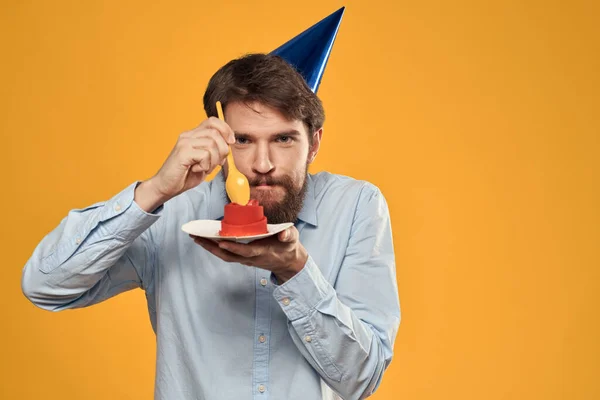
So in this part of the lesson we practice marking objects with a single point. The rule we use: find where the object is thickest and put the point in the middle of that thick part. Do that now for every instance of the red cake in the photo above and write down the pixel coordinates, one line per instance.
(245, 220)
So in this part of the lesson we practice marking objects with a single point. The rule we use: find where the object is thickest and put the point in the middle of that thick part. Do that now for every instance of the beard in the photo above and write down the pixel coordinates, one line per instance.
(288, 208)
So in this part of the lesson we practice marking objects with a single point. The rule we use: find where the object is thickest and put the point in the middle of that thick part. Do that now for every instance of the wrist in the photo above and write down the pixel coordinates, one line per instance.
(296, 266)
(148, 196)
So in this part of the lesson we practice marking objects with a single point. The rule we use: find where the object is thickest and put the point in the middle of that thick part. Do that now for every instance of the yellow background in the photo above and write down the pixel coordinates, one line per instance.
(478, 120)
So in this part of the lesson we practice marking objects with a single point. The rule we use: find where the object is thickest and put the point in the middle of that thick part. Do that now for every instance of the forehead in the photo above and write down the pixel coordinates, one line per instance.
(259, 119)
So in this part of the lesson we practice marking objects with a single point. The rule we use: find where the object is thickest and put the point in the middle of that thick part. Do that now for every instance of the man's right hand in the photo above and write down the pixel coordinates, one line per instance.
(195, 155)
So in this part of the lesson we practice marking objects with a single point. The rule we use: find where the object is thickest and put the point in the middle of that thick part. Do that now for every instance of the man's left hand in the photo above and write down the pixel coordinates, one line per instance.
(282, 254)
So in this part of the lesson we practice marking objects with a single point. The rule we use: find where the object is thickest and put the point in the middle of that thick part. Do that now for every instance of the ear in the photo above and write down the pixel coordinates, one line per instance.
(316, 144)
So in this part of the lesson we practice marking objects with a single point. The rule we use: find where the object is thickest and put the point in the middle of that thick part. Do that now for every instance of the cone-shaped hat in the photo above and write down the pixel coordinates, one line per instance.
(309, 51)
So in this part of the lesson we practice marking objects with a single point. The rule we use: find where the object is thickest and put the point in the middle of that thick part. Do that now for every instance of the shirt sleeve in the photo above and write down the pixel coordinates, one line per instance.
(94, 253)
(347, 333)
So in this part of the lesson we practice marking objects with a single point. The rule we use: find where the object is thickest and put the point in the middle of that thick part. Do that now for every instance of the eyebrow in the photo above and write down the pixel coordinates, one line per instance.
(293, 133)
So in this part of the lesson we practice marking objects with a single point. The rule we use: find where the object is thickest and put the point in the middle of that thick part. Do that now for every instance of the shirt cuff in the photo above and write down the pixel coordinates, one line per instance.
(303, 292)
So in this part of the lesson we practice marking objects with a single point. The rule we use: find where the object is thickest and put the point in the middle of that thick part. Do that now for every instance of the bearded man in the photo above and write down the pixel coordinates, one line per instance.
(309, 313)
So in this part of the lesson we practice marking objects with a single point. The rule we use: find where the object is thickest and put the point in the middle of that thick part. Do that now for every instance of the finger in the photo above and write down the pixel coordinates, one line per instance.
(289, 235)
(192, 132)
(198, 159)
(204, 241)
(243, 250)
(224, 128)
(208, 143)
(197, 168)
(218, 142)
(221, 126)
(187, 134)
(217, 251)
(198, 239)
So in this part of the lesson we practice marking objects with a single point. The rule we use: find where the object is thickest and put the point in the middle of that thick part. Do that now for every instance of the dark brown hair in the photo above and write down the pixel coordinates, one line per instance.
(267, 79)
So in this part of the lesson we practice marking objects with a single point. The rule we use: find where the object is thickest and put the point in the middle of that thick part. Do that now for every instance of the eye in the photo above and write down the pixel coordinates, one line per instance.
(284, 139)
(241, 140)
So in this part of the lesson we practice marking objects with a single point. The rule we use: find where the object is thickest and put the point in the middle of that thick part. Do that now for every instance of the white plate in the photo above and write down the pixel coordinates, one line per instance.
(209, 229)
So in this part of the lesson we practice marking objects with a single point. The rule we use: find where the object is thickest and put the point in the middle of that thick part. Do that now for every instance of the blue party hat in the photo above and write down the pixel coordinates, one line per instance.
(309, 51)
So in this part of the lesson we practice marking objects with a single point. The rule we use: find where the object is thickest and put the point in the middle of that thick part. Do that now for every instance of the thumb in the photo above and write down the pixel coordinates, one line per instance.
(288, 235)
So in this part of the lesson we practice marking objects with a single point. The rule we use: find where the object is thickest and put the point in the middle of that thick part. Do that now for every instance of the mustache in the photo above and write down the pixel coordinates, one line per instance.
(267, 180)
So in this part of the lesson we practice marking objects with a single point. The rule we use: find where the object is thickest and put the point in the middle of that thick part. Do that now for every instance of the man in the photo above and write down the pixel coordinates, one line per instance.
(311, 313)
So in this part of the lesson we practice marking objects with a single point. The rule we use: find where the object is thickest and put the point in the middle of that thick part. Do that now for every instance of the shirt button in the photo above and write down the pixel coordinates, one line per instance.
(78, 241)
(285, 301)
(262, 338)
(263, 282)
(261, 388)
(308, 339)
(117, 208)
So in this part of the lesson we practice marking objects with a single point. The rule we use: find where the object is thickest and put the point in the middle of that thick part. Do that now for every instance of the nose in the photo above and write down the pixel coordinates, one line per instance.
(262, 161)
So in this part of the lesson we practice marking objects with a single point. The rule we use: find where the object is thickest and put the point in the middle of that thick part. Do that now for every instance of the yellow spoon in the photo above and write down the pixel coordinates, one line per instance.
(237, 186)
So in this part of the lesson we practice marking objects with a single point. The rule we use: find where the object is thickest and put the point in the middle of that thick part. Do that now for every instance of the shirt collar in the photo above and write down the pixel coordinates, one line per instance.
(218, 199)
(308, 213)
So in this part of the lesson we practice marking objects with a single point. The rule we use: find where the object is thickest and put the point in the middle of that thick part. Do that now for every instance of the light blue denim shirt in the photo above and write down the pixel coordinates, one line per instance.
(225, 330)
